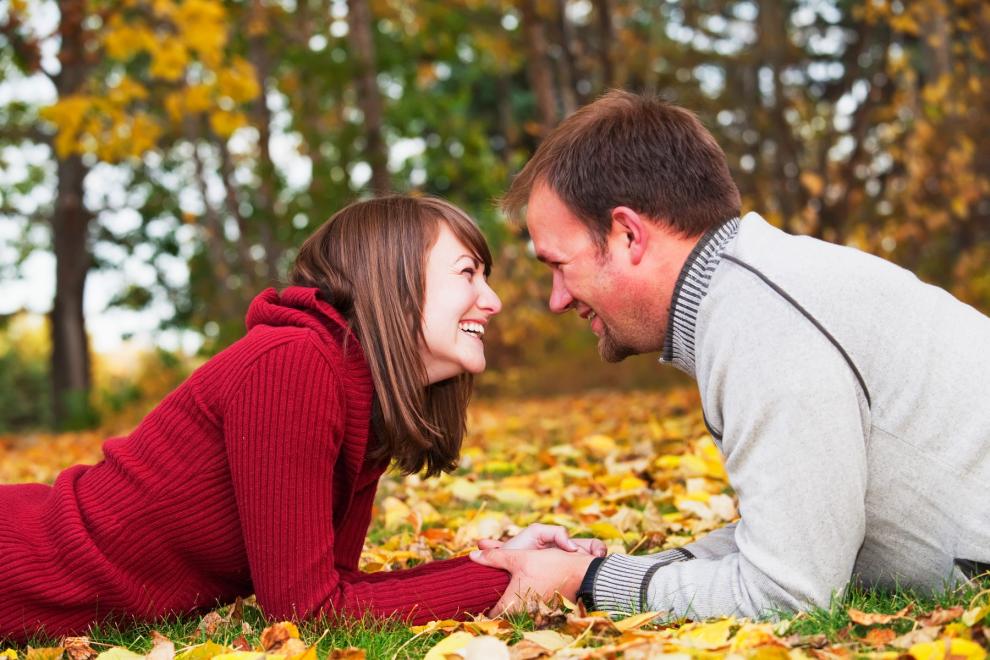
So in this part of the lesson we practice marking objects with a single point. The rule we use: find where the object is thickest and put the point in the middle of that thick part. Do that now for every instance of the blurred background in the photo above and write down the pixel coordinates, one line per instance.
(161, 160)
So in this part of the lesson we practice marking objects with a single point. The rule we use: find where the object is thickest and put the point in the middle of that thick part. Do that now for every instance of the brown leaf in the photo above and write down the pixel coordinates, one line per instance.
(869, 619)
(917, 636)
(162, 647)
(940, 616)
(277, 636)
(527, 650)
(350, 653)
(879, 636)
(241, 644)
(78, 648)
(209, 624)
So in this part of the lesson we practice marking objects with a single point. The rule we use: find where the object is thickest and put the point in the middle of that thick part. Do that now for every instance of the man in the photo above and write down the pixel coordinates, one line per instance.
(848, 398)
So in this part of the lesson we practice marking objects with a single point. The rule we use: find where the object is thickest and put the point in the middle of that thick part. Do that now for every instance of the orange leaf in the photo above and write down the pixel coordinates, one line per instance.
(869, 619)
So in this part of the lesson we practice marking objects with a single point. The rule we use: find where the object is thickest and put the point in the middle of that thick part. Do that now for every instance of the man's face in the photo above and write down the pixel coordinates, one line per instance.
(601, 288)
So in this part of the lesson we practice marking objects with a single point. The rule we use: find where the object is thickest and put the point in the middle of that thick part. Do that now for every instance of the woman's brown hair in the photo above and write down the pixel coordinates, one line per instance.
(369, 262)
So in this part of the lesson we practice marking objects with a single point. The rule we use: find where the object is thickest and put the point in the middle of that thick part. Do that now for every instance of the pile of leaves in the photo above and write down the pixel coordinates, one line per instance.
(638, 470)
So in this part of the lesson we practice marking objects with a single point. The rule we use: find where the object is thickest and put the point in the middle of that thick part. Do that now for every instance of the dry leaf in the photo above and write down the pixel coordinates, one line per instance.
(44, 653)
(119, 653)
(486, 647)
(548, 639)
(210, 623)
(879, 636)
(527, 650)
(636, 621)
(454, 643)
(708, 636)
(917, 636)
(869, 619)
(946, 649)
(277, 636)
(162, 648)
(76, 648)
(350, 653)
(940, 616)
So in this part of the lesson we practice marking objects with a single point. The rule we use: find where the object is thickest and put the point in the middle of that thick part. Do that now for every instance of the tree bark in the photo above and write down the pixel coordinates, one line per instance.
(540, 76)
(70, 361)
(361, 35)
(606, 36)
(265, 216)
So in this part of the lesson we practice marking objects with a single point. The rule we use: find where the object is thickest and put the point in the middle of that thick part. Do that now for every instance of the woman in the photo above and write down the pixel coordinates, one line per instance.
(257, 474)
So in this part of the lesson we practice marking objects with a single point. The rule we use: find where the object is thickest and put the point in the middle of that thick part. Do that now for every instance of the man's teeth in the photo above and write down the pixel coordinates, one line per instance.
(475, 329)
(591, 316)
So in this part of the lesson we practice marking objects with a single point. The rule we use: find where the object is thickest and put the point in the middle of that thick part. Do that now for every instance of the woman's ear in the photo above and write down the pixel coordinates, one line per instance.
(630, 232)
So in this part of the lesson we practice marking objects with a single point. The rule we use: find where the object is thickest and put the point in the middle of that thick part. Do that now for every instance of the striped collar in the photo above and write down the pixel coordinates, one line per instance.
(690, 290)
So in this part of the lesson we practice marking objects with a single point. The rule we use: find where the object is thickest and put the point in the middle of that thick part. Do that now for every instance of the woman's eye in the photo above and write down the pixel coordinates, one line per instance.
(469, 271)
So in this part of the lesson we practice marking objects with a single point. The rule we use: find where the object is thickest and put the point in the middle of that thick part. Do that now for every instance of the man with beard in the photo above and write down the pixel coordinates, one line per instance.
(846, 396)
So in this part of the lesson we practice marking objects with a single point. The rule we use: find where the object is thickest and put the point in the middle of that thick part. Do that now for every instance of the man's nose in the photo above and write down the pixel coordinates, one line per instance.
(560, 298)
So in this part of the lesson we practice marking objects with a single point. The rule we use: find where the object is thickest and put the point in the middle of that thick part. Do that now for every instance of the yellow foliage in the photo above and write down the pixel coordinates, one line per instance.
(123, 41)
(202, 25)
(238, 81)
(224, 122)
(168, 60)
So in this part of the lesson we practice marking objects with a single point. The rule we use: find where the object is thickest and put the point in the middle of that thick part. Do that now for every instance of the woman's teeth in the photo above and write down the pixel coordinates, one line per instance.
(472, 328)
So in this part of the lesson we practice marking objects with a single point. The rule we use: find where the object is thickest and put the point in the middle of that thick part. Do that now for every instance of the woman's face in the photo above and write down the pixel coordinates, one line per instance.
(458, 304)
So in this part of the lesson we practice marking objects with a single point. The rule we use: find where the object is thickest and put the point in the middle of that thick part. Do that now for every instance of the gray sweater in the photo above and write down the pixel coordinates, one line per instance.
(850, 403)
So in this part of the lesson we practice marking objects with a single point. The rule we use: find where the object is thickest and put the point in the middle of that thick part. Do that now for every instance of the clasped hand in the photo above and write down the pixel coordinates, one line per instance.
(542, 560)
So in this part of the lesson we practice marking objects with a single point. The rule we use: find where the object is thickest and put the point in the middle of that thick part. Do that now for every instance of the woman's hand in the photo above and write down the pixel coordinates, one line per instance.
(540, 537)
(536, 574)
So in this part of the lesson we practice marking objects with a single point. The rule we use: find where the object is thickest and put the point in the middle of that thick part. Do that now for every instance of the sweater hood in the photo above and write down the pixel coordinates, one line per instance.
(301, 307)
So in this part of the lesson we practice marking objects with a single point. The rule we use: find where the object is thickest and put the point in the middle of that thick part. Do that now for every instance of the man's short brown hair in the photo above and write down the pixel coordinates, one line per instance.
(636, 151)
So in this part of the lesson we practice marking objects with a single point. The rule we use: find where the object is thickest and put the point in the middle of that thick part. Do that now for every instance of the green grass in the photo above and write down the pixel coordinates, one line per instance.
(391, 639)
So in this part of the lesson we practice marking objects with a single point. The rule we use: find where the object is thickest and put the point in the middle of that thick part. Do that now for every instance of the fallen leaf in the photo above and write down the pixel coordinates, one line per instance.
(940, 617)
(548, 639)
(973, 616)
(76, 648)
(162, 647)
(493, 627)
(486, 647)
(277, 635)
(869, 619)
(119, 653)
(350, 653)
(447, 625)
(879, 636)
(527, 650)
(917, 636)
(635, 621)
(454, 643)
(948, 649)
(210, 623)
(708, 636)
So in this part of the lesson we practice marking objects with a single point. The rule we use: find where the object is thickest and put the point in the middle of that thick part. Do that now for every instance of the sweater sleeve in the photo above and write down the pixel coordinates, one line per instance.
(283, 431)
(795, 453)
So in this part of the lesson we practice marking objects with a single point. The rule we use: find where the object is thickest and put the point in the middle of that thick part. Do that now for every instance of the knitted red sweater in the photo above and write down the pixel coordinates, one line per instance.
(249, 478)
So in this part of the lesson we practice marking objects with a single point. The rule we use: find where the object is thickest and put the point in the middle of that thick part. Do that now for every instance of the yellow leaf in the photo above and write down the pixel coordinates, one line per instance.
(599, 444)
(551, 640)
(709, 636)
(605, 530)
(205, 651)
(10, 654)
(464, 490)
(975, 615)
(752, 635)
(234, 655)
(119, 653)
(486, 648)
(396, 512)
(449, 645)
(517, 497)
(940, 649)
(635, 621)
(433, 626)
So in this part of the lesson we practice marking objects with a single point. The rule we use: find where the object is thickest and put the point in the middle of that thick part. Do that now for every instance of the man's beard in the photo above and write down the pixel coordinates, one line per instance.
(612, 350)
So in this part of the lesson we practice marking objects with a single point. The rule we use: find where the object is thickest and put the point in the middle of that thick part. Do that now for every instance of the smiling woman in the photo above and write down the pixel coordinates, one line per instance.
(258, 474)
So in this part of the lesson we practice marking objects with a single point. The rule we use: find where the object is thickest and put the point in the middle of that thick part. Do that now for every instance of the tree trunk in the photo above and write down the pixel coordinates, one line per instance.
(70, 362)
(566, 68)
(606, 36)
(361, 35)
(262, 119)
(540, 76)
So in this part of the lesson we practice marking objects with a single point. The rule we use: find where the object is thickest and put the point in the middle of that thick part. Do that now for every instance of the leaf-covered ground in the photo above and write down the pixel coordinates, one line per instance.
(638, 470)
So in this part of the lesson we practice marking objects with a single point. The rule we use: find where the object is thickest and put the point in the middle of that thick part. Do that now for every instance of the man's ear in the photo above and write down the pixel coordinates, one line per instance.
(631, 232)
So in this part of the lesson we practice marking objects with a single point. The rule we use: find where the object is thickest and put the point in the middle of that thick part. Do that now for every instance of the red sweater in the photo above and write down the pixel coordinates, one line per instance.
(249, 478)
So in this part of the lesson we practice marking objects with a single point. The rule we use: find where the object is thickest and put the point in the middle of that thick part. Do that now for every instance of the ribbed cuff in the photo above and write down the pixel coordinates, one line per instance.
(622, 580)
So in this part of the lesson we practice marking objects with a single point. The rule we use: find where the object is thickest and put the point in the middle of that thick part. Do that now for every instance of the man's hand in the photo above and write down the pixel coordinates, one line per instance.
(540, 537)
(535, 574)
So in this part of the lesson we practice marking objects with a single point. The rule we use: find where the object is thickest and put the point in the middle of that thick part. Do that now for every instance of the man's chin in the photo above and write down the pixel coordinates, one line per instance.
(612, 351)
